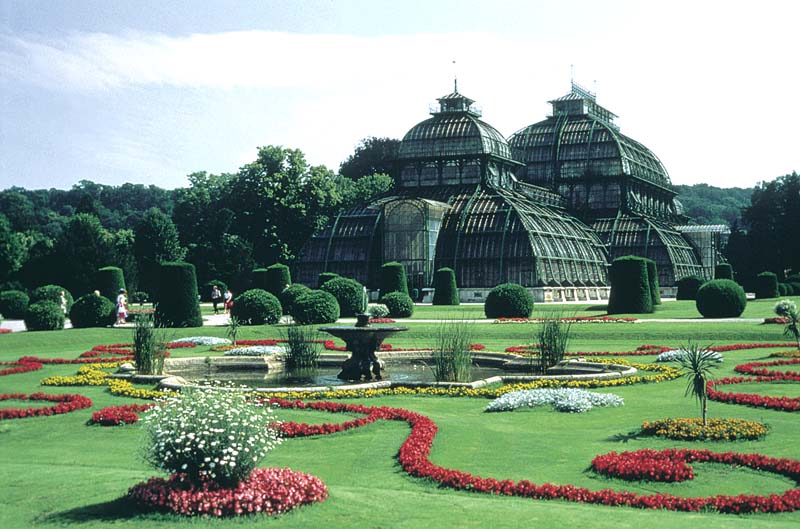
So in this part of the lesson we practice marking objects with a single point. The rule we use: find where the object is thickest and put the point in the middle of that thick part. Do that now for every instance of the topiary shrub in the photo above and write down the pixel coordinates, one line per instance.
(445, 289)
(630, 286)
(314, 307)
(766, 285)
(277, 278)
(52, 293)
(400, 305)
(349, 293)
(13, 304)
(688, 287)
(92, 310)
(723, 271)
(290, 295)
(795, 286)
(259, 278)
(652, 277)
(393, 278)
(784, 289)
(108, 281)
(793, 278)
(508, 300)
(207, 287)
(44, 316)
(721, 298)
(324, 277)
(256, 306)
(177, 296)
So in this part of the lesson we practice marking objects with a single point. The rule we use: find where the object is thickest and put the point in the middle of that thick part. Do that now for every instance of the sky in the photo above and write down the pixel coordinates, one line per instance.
(150, 91)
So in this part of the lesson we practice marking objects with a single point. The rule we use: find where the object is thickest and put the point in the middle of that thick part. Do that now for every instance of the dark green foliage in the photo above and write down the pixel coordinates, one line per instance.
(52, 293)
(766, 285)
(257, 306)
(317, 306)
(139, 297)
(156, 242)
(290, 295)
(688, 287)
(44, 316)
(349, 293)
(177, 301)
(508, 300)
(723, 271)
(784, 289)
(795, 286)
(372, 155)
(324, 277)
(399, 304)
(13, 304)
(652, 276)
(206, 293)
(303, 347)
(92, 310)
(721, 298)
(793, 278)
(277, 278)
(707, 204)
(393, 278)
(109, 280)
(82, 248)
(259, 276)
(446, 291)
(630, 286)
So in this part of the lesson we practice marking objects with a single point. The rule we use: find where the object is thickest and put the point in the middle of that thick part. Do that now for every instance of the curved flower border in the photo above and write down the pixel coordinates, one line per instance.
(65, 404)
(666, 466)
(117, 415)
(692, 429)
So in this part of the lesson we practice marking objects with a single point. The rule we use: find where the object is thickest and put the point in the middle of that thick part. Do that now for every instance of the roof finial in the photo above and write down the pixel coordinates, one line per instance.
(571, 73)
(455, 78)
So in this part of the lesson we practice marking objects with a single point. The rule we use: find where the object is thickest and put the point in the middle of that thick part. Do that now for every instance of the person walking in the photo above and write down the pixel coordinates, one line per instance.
(216, 297)
(122, 307)
(228, 300)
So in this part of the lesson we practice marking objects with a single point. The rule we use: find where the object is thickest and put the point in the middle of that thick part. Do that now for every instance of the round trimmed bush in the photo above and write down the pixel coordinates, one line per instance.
(109, 280)
(277, 278)
(688, 287)
(314, 307)
(445, 289)
(177, 296)
(52, 293)
(399, 304)
(784, 289)
(721, 298)
(508, 300)
(13, 304)
(652, 276)
(44, 316)
(92, 311)
(206, 293)
(723, 271)
(256, 306)
(324, 277)
(393, 278)
(766, 285)
(290, 295)
(630, 286)
(349, 293)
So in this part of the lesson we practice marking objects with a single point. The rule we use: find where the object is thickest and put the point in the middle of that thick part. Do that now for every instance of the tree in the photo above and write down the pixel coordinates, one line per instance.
(697, 363)
(13, 249)
(372, 155)
(363, 190)
(156, 242)
(82, 248)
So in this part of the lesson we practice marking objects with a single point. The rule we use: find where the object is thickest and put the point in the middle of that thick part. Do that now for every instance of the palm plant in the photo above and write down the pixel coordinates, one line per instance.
(697, 363)
(233, 328)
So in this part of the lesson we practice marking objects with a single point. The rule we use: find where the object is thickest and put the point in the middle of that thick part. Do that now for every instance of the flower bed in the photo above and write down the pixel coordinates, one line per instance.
(116, 415)
(756, 368)
(65, 404)
(415, 452)
(203, 340)
(5, 330)
(676, 355)
(268, 490)
(575, 319)
(20, 367)
(255, 350)
(668, 466)
(692, 429)
(569, 400)
(748, 399)
(786, 354)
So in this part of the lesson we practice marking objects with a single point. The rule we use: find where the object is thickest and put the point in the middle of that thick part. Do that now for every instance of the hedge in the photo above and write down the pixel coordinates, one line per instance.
(393, 278)
(324, 277)
(784, 289)
(52, 293)
(92, 310)
(256, 307)
(795, 286)
(13, 304)
(721, 298)
(766, 285)
(277, 278)
(44, 316)
(349, 293)
(259, 278)
(317, 306)
(723, 271)
(630, 286)
(290, 295)
(445, 288)
(109, 280)
(177, 296)
(400, 305)
(508, 300)
(652, 276)
(688, 287)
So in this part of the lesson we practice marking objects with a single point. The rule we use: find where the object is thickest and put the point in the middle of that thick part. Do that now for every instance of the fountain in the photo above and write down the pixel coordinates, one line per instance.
(362, 340)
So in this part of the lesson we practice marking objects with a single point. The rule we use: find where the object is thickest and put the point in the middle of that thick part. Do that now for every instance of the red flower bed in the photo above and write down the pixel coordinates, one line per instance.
(782, 321)
(642, 350)
(20, 367)
(415, 451)
(381, 320)
(116, 415)
(753, 368)
(268, 490)
(5, 330)
(749, 399)
(574, 319)
(330, 345)
(65, 404)
(645, 465)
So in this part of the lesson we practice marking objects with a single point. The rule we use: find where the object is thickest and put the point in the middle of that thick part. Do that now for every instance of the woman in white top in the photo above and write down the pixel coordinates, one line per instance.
(122, 307)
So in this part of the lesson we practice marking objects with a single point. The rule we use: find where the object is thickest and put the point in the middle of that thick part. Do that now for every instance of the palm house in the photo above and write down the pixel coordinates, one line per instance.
(548, 209)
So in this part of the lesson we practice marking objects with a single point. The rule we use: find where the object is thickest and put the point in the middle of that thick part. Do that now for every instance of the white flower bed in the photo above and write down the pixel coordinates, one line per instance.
(256, 350)
(569, 400)
(676, 355)
(204, 340)
(377, 310)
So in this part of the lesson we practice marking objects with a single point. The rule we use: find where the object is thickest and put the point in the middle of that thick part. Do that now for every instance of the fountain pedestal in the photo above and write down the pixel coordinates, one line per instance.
(362, 340)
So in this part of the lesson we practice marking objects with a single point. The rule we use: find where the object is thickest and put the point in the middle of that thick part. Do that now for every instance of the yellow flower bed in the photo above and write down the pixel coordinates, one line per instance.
(123, 388)
(93, 375)
(715, 430)
(786, 354)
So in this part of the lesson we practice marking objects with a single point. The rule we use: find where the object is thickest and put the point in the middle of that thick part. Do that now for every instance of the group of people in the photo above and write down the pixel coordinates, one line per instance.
(218, 297)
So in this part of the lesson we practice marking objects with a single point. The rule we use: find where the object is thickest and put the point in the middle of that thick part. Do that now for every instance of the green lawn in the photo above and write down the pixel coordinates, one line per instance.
(56, 471)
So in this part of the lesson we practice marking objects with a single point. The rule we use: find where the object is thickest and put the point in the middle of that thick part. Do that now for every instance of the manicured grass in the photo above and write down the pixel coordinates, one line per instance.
(57, 471)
